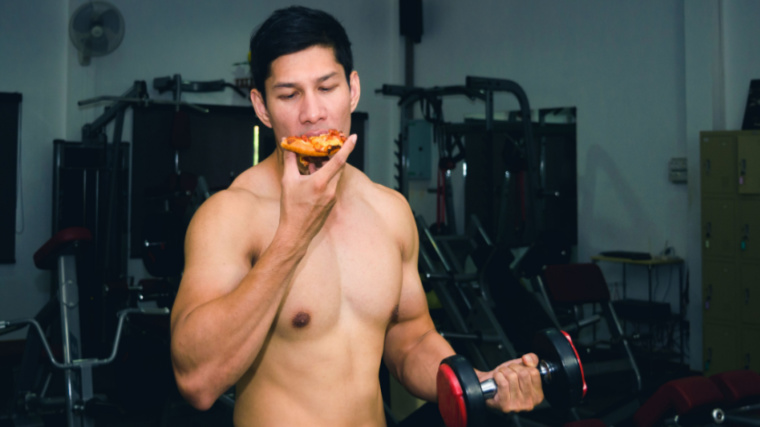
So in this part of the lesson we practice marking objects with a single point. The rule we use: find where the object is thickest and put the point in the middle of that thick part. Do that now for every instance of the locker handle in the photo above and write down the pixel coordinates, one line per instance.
(707, 166)
(746, 296)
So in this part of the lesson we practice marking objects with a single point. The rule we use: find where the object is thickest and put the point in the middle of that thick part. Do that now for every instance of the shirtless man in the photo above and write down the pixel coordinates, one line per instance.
(298, 284)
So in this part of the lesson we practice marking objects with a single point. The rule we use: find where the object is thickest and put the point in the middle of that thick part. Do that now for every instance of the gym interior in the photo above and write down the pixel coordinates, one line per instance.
(576, 166)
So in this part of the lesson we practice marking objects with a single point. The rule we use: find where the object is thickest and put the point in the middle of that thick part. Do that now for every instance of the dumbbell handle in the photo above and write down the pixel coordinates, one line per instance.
(489, 388)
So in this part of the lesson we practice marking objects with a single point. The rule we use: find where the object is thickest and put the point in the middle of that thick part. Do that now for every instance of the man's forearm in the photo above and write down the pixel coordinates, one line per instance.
(420, 366)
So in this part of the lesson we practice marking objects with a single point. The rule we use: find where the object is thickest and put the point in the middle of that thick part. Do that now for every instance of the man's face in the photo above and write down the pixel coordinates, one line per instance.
(307, 93)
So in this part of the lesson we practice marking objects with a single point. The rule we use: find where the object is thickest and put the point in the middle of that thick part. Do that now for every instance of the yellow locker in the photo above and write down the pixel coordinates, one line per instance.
(749, 292)
(720, 349)
(751, 349)
(719, 291)
(718, 163)
(748, 229)
(748, 163)
(720, 237)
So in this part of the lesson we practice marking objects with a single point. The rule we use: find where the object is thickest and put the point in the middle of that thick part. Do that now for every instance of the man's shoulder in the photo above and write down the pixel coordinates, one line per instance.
(231, 207)
(380, 196)
(387, 206)
(235, 216)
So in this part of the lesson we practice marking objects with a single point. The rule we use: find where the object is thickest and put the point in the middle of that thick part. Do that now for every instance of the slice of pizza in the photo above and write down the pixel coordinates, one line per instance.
(314, 146)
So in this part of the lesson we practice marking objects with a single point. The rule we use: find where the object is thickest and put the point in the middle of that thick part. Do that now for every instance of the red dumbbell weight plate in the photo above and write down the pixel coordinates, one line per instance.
(451, 397)
(460, 397)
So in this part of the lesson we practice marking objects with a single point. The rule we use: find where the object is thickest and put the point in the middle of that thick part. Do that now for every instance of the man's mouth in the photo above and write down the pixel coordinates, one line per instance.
(316, 132)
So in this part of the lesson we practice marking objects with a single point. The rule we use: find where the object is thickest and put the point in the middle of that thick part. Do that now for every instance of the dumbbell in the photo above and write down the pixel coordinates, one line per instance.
(461, 395)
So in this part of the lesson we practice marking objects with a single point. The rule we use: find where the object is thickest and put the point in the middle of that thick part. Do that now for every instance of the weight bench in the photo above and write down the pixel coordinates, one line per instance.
(728, 398)
(741, 392)
(60, 254)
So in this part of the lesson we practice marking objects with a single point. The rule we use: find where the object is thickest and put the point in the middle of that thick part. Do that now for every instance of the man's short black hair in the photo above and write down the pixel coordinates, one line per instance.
(292, 30)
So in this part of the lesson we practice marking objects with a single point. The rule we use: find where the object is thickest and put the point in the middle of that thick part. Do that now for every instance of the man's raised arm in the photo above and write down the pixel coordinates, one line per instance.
(234, 281)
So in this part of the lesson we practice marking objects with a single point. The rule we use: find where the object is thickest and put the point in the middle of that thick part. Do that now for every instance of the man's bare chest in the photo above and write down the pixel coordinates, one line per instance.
(351, 275)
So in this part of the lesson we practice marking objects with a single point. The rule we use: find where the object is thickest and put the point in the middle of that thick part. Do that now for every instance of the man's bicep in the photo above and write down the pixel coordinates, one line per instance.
(215, 263)
(413, 321)
(414, 349)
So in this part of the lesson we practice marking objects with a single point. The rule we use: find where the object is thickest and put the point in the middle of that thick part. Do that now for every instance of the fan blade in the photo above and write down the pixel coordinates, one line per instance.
(112, 20)
(82, 19)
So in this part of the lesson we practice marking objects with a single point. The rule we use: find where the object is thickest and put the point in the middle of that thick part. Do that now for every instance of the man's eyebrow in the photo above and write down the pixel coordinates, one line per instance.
(289, 85)
(327, 77)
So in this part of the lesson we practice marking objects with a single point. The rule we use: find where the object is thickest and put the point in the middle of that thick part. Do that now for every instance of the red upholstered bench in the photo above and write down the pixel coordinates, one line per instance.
(738, 387)
(679, 397)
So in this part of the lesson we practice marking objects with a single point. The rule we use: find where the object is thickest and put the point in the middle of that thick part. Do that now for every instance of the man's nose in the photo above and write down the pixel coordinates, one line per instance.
(312, 110)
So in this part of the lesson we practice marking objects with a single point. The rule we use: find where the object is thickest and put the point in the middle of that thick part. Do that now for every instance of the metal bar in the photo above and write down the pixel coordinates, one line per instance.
(486, 310)
(680, 312)
(68, 297)
(615, 328)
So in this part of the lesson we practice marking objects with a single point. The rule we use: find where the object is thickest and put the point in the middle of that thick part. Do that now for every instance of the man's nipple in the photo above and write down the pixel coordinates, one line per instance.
(301, 319)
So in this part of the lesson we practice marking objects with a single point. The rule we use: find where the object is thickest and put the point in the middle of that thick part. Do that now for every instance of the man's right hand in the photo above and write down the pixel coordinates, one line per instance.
(307, 200)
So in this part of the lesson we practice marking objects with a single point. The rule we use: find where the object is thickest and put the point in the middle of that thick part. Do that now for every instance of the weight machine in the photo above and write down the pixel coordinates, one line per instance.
(60, 253)
(448, 136)
(87, 255)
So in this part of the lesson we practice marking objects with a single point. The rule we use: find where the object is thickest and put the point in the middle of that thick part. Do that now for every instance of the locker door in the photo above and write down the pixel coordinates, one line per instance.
(719, 231)
(720, 291)
(751, 349)
(720, 348)
(749, 294)
(748, 229)
(748, 164)
(718, 164)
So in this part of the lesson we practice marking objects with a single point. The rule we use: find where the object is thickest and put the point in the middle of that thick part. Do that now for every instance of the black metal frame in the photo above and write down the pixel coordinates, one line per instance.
(483, 89)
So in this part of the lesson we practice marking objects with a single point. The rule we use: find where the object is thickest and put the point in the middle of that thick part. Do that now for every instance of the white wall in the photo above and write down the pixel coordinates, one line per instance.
(622, 65)
(33, 51)
(646, 77)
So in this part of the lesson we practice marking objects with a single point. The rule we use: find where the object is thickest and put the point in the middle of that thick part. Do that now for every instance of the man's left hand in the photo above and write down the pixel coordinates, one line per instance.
(518, 384)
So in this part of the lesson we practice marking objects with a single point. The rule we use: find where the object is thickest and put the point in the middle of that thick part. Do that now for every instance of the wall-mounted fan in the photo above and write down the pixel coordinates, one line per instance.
(96, 28)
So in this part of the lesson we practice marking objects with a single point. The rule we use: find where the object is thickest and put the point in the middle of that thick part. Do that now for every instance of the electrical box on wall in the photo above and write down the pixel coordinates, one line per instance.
(677, 170)
(420, 134)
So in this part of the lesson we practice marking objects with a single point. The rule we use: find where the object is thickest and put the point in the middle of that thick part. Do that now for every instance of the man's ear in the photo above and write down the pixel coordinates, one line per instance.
(257, 100)
(355, 88)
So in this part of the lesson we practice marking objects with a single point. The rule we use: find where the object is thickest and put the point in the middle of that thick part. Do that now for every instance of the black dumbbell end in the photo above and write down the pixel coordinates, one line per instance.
(562, 376)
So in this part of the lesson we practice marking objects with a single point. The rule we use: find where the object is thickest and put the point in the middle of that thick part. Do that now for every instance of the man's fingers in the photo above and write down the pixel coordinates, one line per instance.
(291, 162)
(530, 360)
(341, 157)
(348, 147)
(519, 385)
